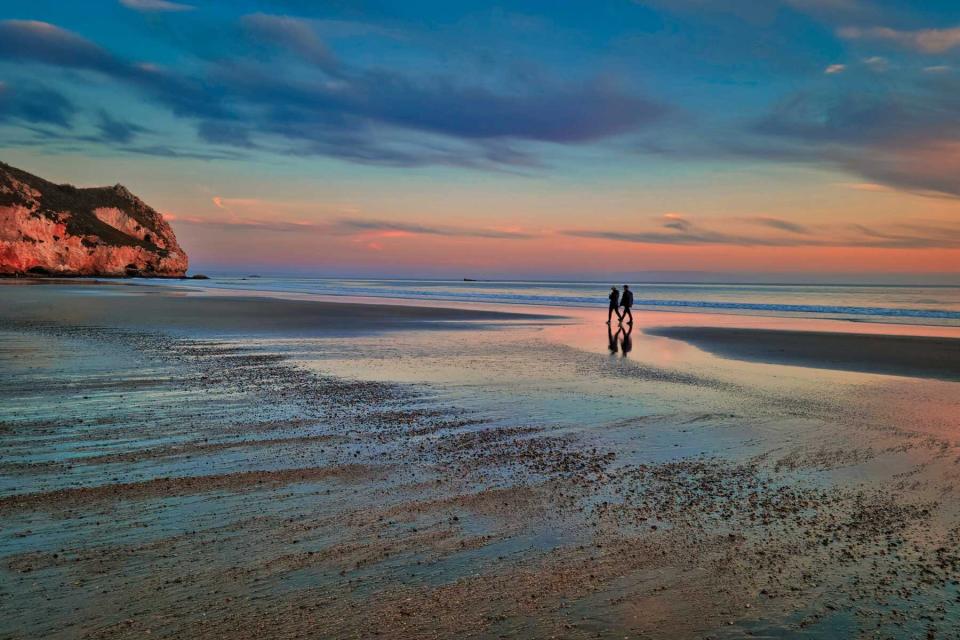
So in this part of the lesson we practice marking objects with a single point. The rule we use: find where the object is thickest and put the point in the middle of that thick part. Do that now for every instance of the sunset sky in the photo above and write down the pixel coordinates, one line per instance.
(819, 138)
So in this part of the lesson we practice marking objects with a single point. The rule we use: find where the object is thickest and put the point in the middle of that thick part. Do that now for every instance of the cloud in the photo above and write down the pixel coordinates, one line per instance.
(560, 113)
(275, 207)
(890, 236)
(372, 117)
(676, 221)
(929, 41)
(63, 141)
(685, 238)
(675, 230)
(828, 5)
(294, 34)
(900, 131)
(877, 63)
(778, 223)
(766, 11)
(226, 133)
(866, 186)
(240, 224)
(578, 112)
(352, 224)
(362, 115)
(928, 166)
(363, 229)
(166, 151)
(149, 6)
(903, 134)
(115, 130)
(33, 40)
(36, 104)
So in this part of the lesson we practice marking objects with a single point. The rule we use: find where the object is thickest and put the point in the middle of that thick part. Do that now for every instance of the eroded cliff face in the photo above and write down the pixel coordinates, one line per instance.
(50, 229)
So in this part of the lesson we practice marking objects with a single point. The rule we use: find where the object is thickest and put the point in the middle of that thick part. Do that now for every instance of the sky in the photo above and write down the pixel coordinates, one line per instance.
(756, 139)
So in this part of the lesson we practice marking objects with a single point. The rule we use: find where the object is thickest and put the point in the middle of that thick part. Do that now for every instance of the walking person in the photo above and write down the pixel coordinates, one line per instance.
(614, 305)
(626, 300)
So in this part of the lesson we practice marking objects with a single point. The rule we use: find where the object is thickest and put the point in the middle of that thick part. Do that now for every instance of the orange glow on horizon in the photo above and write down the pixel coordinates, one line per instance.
(552, 253)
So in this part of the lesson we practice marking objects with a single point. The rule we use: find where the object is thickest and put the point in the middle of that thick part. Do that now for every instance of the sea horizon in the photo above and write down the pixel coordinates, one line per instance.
(930, 304)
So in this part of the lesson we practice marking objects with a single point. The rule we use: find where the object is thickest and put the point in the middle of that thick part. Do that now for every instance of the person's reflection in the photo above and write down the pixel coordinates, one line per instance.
(612, 339)
(626, 342)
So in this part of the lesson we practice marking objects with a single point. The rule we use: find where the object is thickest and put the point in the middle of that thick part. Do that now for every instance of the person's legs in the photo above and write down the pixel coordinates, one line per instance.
(610, 314)
(627, 312)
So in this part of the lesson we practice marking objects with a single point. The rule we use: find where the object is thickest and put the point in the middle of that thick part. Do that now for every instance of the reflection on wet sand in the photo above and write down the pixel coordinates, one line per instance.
(621, 340)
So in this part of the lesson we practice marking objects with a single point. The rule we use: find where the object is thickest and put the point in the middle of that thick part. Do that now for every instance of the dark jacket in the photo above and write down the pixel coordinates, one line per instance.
(627, 299)
(614, 299)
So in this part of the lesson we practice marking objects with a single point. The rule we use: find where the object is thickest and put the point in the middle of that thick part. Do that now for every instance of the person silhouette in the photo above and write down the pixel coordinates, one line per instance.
(626, 300)
(614, 305)
(626, 342)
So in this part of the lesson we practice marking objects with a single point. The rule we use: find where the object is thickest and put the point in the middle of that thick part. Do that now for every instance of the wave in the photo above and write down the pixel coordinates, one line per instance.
(556, 298)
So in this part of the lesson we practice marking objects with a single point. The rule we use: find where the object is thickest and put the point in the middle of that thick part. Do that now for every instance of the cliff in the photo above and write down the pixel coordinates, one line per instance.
(50, 229)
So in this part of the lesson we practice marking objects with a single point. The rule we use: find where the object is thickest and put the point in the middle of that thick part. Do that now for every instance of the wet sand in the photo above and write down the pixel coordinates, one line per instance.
(145, 307)
(904, 355)
(485, 479)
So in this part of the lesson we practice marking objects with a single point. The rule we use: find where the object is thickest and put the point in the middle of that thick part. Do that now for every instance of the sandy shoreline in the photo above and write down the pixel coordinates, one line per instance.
(203, 482)
(168, 308)
(889, 354)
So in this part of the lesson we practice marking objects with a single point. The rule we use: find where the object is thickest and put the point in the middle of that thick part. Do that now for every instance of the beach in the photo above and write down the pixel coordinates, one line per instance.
(183, 462)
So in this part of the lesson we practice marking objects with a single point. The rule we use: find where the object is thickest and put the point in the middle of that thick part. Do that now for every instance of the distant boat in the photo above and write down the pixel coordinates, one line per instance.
(469, 280)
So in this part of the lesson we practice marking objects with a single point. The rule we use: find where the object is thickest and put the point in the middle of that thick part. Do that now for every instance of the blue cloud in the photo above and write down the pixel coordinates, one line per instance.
(116, 130)
(36, 104)
(36, 41)
(345, 116)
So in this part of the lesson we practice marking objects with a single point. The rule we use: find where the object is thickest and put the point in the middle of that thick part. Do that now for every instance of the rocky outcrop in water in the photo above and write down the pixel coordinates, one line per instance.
(62, 230)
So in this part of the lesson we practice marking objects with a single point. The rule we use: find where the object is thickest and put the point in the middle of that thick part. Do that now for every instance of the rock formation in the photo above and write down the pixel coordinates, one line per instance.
(50, 229)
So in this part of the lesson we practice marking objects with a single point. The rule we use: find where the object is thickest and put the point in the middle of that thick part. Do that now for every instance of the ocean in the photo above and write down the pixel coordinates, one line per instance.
(932, 305)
